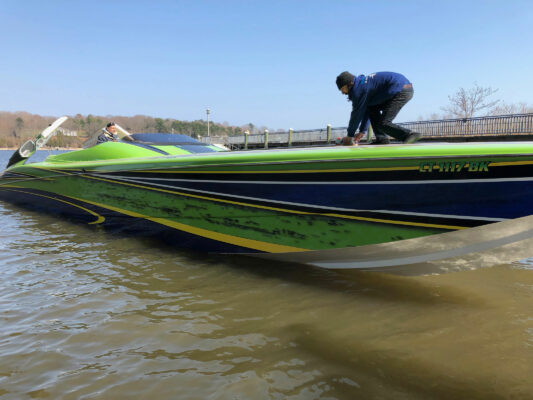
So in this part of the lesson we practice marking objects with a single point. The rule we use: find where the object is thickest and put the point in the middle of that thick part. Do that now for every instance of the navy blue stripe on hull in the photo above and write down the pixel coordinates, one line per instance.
(498, 200)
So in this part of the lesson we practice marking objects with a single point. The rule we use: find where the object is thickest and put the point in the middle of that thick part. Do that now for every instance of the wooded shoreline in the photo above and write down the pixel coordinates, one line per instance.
(17, 127)
(45, 148)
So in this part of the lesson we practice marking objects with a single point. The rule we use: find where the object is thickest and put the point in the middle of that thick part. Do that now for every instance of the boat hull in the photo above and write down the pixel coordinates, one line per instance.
(285, 201)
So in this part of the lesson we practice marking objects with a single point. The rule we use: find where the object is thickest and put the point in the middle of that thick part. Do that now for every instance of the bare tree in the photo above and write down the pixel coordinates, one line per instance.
(467, 103)
(513, 108)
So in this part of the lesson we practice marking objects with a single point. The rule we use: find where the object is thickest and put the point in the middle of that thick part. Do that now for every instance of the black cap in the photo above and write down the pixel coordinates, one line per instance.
(344, 78)
(110, 124)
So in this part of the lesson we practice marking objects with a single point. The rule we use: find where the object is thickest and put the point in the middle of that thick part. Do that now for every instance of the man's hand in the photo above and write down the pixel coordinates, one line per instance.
(358, 137)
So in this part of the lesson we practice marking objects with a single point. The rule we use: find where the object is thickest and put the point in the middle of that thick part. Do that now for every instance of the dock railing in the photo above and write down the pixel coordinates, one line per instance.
(501, 127)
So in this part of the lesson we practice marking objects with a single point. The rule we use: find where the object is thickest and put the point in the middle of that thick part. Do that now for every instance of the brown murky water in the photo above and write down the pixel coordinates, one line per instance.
(84, 315)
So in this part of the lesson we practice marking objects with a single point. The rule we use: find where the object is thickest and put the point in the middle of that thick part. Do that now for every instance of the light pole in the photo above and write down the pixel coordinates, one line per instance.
(207, 112)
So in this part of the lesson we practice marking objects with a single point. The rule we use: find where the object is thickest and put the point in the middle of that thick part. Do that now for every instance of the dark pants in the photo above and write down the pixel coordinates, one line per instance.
(381, 116)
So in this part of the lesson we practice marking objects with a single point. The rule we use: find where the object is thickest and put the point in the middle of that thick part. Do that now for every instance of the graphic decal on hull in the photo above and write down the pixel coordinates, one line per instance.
(99, 218)
(236, 201)
(454, 166)
(221, 237)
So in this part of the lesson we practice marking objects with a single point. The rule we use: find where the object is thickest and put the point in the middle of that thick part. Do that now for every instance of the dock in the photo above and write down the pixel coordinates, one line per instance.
(493, 128)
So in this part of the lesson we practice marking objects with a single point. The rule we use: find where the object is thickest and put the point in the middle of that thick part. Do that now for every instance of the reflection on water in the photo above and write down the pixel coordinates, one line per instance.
(88, 315)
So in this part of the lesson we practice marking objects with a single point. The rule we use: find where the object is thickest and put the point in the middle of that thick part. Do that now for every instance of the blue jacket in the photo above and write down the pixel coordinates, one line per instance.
(105, 138)
(371, 90)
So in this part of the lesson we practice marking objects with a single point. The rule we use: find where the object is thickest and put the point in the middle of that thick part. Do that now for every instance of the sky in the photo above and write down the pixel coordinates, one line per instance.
(271, 63)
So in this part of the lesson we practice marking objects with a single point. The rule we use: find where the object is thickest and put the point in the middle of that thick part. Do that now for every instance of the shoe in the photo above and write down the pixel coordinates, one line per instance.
(380, 141)
(412, 137)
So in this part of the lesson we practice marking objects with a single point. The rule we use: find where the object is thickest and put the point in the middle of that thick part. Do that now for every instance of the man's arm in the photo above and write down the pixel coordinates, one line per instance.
(359, 112)
(365, 123)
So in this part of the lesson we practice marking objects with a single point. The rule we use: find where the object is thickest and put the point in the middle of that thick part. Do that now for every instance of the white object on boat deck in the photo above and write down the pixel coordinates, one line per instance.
(48, 133)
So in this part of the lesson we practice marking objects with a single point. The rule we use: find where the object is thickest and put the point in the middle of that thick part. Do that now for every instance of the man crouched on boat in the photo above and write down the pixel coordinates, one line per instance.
(108, 135)
(377, 99)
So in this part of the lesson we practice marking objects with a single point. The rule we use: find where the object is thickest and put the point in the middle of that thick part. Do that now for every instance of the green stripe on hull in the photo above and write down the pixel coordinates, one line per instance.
(117, 156)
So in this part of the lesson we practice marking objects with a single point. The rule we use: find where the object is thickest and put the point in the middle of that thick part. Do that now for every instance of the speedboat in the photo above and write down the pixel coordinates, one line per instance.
(304, 204)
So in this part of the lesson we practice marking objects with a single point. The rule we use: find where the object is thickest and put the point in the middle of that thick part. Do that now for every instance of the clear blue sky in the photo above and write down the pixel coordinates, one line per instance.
(272, 63)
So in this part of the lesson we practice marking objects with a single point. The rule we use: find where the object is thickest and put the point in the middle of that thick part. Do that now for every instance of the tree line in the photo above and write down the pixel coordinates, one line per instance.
(17, 127)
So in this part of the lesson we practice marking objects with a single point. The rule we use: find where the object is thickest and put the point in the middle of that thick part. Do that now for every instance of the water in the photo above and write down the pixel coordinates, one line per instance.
(85, 315)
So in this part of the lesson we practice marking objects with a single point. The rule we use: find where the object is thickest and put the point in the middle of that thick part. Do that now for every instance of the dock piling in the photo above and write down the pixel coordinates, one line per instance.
(246, 133)
(290, 138)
